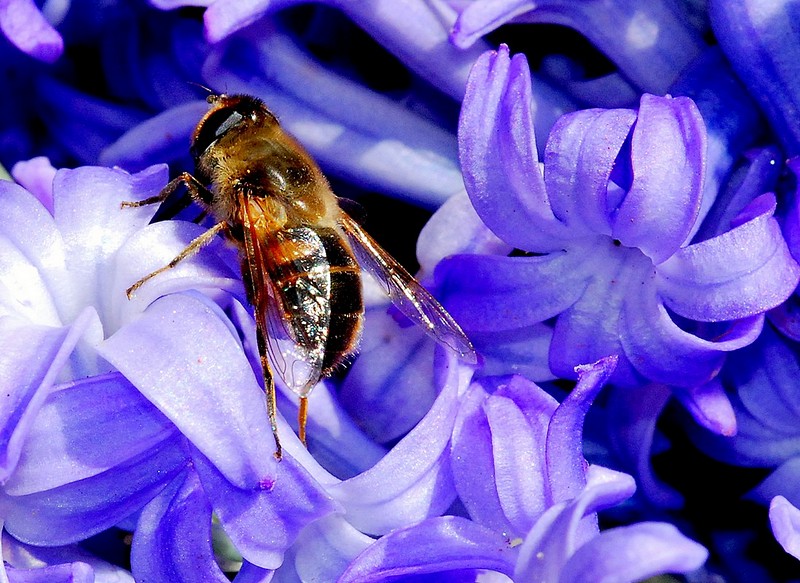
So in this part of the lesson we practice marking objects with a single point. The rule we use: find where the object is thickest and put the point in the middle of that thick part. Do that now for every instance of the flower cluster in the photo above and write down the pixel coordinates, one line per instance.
(621, 247)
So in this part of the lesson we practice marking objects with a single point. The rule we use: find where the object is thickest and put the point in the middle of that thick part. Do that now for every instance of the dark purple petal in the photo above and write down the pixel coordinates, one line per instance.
(783, 481)
(78, 510)
(580, 155)
(633, 553)
(36, 176)
(264, 521)
(413, 481)
(651, 44)
(184, 358)
(490, 293)
(352, 132)
(566, 468)
(173, 536)
(761, 42)
(165, 136)
(389, 388)
(432, 546)
(761, 175)
(498, 154)
(31, 358)
(733, 122)
(785, 521)
(26, 27)
(668, 149)
(743, 272)
(631, 423)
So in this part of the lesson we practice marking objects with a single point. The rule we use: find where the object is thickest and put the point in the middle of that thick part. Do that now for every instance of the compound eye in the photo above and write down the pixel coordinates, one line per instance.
(213, 128)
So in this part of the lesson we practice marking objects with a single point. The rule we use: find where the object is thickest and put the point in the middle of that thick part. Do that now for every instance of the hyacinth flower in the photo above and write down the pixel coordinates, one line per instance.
(605, 228)
(532, 514)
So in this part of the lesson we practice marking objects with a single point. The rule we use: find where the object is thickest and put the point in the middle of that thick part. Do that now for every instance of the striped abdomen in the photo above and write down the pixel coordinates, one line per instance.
(317, 279)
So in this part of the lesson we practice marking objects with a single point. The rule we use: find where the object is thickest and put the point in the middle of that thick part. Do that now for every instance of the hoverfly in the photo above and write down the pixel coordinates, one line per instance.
(300, 252)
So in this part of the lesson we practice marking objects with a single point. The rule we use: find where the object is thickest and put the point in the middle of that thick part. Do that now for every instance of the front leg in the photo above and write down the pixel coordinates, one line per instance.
(197, 191)
(190, 250)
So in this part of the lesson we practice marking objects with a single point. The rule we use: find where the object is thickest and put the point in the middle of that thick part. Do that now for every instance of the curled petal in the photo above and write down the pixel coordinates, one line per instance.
(567, 525)
(743, 272)
(710, 407)
(785, 521)
(30, 360)
(75, 563)
(352, 131)
(665, 353)
(36, 176)
(761, 43)
(632, 426)
(84, 429)
(183, 357)
(668, 149)
(264, 521)
(78, 510)
(580, 156)
(432, 546)
(173, 536)
(88, 198)
(333, 538)
(455, 228)
(165, 136)
(783, 481)
(565, 464)
(32, 259)
(26, 27)
(421, 483)
(634, 553)
(498, 154)
(389, 388)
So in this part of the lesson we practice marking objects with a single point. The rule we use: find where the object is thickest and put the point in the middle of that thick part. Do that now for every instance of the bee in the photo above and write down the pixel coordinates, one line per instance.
(301, 254)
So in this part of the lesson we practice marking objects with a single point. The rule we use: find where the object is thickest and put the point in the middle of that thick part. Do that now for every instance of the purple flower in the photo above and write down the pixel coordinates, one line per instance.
(518, 469)
(606, 225)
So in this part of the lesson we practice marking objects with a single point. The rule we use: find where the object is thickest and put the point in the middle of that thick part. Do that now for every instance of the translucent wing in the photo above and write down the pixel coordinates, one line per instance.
(413, 300)
(290, 290)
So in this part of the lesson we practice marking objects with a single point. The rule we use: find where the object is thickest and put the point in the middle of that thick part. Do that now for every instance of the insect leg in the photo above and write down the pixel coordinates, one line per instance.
(269, 386)
(199, 193)
(302, 418)
(190, 249)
